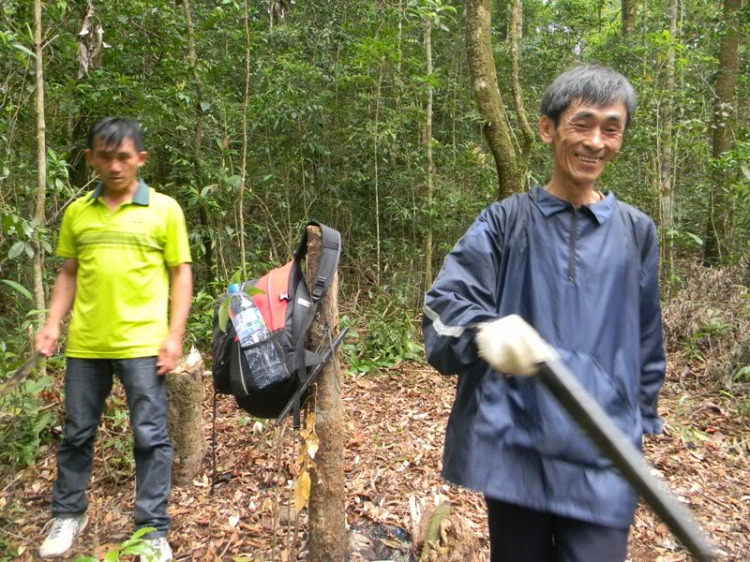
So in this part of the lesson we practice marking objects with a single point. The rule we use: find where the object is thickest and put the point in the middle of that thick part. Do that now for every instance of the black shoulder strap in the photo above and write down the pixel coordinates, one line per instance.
(329, 257)
(306, 298)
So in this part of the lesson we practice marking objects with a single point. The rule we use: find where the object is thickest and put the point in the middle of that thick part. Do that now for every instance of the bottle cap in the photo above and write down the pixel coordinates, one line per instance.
(234, 288)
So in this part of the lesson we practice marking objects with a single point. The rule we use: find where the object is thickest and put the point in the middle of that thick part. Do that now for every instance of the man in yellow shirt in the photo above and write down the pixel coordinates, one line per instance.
(121, 245)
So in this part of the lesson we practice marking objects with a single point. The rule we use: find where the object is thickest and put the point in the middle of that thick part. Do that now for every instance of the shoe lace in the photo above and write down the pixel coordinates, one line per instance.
(59, 526)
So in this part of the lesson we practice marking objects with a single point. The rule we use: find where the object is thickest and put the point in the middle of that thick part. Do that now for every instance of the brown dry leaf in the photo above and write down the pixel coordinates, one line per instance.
(312, 444)
(302, 491)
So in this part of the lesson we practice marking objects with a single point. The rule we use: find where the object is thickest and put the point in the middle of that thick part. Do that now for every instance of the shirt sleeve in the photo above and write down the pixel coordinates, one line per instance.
(463, 296)
(653, 359)
(177, 246)
(66, 243)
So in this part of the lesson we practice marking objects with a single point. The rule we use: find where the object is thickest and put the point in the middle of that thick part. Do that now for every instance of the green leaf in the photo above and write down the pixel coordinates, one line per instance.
(224, 315)
(140, 548)
(18, 287)
(252, 291)
(16, 249)
(24, 49)
(112, 556)
(143, 531)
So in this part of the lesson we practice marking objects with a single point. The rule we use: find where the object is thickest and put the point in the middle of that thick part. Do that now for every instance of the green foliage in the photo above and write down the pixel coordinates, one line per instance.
(385, 336)
(337, 106)
(115, 443)
(25, 416)
(134, 546)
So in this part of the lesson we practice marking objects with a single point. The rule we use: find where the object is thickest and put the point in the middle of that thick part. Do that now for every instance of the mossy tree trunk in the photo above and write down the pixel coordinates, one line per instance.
(487, 94)
(725, 107)
(327, 517)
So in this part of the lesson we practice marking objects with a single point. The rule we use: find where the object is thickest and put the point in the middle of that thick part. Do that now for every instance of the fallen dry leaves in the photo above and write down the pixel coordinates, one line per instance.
(394, 425)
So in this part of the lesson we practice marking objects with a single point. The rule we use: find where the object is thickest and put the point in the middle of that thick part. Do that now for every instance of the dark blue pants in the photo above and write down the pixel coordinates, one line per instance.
(518, 534)
(88, 382)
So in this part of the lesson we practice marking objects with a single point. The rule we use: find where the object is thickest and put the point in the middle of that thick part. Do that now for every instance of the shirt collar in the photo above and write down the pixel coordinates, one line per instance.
(549, 204)
(140, 197)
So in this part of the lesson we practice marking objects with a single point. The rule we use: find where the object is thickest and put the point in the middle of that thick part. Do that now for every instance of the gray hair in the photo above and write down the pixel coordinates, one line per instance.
(591, 84)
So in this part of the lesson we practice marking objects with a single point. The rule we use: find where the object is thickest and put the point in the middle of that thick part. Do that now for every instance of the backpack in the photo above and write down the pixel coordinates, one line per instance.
(287, 306)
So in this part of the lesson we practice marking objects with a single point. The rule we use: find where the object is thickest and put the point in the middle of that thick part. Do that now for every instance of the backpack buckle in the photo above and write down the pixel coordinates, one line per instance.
(285, 297)
(320, 285)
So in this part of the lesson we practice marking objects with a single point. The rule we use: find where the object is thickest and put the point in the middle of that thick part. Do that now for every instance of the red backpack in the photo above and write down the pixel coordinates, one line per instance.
(288, 307)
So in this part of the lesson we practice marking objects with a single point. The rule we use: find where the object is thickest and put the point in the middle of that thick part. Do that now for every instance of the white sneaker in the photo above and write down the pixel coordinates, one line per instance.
(61, 535)
(161, 548)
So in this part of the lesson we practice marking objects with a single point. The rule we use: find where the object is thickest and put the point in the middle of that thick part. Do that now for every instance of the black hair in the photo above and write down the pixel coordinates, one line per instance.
(592, 84)
(112, 131)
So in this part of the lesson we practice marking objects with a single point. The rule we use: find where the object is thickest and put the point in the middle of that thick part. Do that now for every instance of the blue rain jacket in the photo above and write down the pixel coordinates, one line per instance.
(587, 280)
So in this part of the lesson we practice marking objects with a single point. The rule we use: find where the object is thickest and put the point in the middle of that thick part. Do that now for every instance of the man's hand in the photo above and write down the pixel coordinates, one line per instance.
(169, 354)
(45, 341)
(512, 347)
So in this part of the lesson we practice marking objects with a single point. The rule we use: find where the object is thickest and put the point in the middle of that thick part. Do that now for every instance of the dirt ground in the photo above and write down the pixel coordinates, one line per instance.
(395, 423)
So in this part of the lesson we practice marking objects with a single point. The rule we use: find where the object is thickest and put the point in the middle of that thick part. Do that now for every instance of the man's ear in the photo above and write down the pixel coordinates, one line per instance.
(546, 129)
(142, 156)
(87, 155)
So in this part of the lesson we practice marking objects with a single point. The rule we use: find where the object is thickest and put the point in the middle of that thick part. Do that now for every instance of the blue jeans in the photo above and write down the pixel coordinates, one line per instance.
(88, 382)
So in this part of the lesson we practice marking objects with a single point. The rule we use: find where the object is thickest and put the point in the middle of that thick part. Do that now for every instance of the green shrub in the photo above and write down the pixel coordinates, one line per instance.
(384, 334)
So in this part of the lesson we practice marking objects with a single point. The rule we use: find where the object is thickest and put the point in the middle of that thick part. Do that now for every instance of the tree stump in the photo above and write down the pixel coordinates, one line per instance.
(445, 536)
(185, 392)
(327, 518)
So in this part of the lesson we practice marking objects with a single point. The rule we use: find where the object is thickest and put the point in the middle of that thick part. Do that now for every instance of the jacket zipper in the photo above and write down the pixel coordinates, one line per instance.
(573, 237)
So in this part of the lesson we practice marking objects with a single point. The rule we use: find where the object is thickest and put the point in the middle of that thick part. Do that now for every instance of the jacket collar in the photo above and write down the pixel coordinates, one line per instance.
(549, 204)
(140, 197)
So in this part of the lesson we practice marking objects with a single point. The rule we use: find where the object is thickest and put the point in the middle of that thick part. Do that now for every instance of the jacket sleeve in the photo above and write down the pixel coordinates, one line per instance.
(653, 360)
(463, 295)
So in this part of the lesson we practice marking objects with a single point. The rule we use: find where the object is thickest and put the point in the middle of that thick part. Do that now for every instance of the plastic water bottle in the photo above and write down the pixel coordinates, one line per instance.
(246, 318)
(265, 364)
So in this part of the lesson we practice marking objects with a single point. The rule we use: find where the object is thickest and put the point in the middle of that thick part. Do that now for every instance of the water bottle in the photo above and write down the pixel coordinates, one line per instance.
(246, 318)
(266, 366)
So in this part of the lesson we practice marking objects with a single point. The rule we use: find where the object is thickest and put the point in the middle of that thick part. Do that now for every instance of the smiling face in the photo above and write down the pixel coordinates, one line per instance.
(117, 165)
(584, 141)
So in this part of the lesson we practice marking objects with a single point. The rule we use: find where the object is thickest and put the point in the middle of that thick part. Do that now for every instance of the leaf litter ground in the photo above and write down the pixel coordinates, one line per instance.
(394, 425)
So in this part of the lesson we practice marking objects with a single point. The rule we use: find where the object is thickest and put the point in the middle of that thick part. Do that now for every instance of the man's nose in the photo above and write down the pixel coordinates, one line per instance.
(594, 140)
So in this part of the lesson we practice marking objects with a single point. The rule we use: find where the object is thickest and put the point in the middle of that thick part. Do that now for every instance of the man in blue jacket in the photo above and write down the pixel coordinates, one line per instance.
(569, 267)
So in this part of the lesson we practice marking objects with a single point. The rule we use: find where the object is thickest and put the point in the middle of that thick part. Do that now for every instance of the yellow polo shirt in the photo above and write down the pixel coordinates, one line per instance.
(122, 287)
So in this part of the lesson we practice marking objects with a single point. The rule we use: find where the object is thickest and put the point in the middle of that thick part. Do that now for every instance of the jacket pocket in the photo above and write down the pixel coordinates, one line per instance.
(541, 423)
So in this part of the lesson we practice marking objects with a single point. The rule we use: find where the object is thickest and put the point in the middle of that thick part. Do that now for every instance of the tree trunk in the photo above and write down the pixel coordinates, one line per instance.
(515, 26)
(430, 162)
(327, 520)
(719, 215)
(629, 16)
(198, 137)
(487, 94)
(376, 140)
(245, 96)
(41, 192)
(666, 168)
(185, 392)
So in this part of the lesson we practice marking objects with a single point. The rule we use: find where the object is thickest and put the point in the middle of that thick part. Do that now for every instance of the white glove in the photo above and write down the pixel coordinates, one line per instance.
(512, 347)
